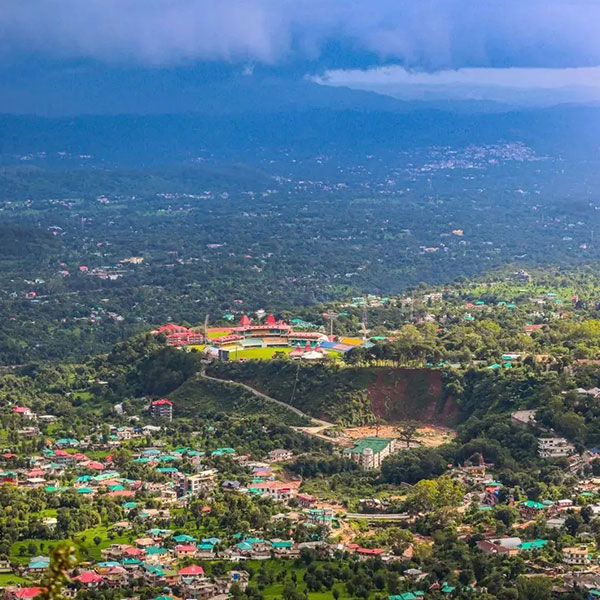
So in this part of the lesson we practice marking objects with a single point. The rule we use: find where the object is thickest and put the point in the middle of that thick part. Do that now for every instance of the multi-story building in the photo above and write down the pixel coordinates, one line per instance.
(576, 555)
(162, 409)
(369, 452)
(554, 447)
(280, 454)
(198, 483)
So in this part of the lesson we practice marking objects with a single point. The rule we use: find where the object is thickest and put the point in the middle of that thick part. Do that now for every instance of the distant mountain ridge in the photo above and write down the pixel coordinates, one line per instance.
(150, 140)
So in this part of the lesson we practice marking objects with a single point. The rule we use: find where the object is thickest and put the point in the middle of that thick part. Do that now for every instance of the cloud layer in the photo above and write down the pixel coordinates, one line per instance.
(423, 34)
(511, 85)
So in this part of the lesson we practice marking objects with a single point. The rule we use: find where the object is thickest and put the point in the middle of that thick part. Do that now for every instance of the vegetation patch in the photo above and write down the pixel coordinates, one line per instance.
(351, 395)
(200, 396)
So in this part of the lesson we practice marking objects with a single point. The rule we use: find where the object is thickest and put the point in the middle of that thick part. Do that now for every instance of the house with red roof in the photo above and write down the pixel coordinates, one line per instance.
(133, 552)
(121, 494)
(28, 592)
(89, 578)
(162, 409)
(94, 465)
(278, 490)
(185, 550)
(177, 335)
(366, 553)
(193, 571)
(23, 411)
(306, 500)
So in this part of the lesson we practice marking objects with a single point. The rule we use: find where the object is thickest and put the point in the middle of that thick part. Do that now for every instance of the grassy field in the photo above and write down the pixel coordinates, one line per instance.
(257, 353)
(10, 579)
(84, 539)
(267, 353)
(217, 334)
(198, 347)
(249, 353)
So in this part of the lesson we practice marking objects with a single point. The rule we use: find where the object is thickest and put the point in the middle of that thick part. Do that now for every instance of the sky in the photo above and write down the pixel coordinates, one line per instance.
(505, 50)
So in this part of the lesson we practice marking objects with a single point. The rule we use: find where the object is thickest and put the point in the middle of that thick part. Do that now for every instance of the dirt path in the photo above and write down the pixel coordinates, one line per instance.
(318, 427)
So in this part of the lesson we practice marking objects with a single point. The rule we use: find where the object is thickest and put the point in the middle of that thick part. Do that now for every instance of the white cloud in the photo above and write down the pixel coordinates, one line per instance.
(535, 85)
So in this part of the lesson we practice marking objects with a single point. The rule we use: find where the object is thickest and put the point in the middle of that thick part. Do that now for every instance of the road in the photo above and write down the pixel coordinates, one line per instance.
(379, 516)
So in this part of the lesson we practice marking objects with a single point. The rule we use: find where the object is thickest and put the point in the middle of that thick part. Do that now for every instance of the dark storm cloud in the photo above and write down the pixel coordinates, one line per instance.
(422, 34)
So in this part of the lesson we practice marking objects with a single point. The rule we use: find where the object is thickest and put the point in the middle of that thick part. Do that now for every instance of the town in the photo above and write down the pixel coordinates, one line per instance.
(168, 496)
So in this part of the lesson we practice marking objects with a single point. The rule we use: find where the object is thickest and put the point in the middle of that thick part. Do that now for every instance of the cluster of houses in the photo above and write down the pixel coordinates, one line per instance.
(165, 557)
(191, 580)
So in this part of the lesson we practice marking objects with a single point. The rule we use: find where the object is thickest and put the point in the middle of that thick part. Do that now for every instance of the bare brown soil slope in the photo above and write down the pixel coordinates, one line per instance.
(411, 394)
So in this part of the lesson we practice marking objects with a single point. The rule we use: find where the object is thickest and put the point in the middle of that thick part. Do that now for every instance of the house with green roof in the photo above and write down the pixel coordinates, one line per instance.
(408, 596)
(282, 544)
(205, 550)
(38, 563)
(533, 545)
(213, 541)
(530, 508)
(184, 538)
(131, 562)
(167, 470)
(168, 458)
(157, 532)
(222, 452)
(284, 548)
(156, 550)
(67, 443)
(106, 476)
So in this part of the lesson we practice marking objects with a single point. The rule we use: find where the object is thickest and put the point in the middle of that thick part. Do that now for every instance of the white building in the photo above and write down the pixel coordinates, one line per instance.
(554, 447)
(280, 454)
(369, 452)
(198, 482)
(576, 555)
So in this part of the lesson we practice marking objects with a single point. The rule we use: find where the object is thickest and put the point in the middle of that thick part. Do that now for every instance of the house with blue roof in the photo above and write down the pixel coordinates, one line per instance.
(38, 564)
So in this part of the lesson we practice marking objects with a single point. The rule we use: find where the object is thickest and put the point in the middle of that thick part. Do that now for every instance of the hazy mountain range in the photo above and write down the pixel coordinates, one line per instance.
(240, 116)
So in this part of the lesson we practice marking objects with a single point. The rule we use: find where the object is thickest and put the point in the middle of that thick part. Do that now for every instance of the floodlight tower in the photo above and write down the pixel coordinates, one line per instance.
(363, 328)
(332, 316)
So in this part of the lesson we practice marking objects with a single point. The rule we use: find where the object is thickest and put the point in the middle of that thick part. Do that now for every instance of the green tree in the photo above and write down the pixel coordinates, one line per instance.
(534, 588)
